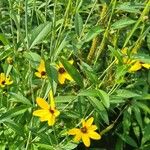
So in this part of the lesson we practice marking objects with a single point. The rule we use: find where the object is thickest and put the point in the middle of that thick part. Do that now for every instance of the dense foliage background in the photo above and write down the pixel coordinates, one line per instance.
(94, 34)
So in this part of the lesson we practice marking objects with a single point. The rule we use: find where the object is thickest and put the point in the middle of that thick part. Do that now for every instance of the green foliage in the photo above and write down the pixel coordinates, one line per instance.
(100, 86)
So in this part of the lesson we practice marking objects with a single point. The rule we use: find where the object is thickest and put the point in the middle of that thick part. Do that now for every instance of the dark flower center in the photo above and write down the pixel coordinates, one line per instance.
(83, 130)
(61, 70)
(43, 73)
(3, 82)
(51, 111)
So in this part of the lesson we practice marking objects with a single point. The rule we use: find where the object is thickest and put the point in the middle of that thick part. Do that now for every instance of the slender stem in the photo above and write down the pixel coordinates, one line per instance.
(26, 22)
(107, 129)
(84, 26)
(145, 12)
(103, 42)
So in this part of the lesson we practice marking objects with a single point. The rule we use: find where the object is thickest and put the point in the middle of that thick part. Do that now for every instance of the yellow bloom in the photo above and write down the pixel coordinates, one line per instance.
(63, 74)
(86, 132)
(41, 72)
(147, 66)
(4, 80)
(135, 66)
(47, 112)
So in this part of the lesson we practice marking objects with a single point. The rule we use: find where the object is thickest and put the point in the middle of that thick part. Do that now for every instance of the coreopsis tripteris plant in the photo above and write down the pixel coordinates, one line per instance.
(5, 80)
(86, 132)
(48, 112)
(62, 73)
(134, 65)
(41, 72)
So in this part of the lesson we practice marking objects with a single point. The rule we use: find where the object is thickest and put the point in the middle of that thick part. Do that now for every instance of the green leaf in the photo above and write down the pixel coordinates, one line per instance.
(3, 39)
(146, 134)
(128, 140)
(69, 146)
(19, 98)
(45, 146)
(148, 41)
(97, 93)
(16, 127)
(142, 57)
(126, 93)
(138, 116)
(100, 108)
(39, 33)
(122, 23)
(78, 24)
(57, 51)
(73, 72)
(13, 112)
(92, 33)
(142, 106)
(130, 7)
(51, 72)
(65, 99)
(32, 56)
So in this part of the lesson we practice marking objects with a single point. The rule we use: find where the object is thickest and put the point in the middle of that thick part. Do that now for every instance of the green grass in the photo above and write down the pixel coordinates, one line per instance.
(93, 34)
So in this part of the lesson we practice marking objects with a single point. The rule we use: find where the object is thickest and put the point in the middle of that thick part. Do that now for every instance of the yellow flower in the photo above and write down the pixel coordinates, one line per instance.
(147, 66)
(62, 73)
(47, 112)
(135, 66)
(4, 80)
(86, 132)
(41, 70)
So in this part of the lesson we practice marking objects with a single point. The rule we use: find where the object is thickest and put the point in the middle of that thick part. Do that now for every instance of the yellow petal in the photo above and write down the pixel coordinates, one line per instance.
(147, 66)
(8, 81)
(61, 78)
(42, 103)
(41, 66)
(89, 122)
(44, 118)
(94, 135)
(51, 121)
(52, 102)
(77, 138)
(57, 113)
(38, 74)
(40, 113)
(83, 122)
(71, 61)
(135, 67)
(74, 131)
(67, 76)
(93, 127)
(86, 140)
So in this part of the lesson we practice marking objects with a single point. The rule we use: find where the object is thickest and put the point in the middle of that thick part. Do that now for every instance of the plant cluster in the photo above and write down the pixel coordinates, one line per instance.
(74, 74)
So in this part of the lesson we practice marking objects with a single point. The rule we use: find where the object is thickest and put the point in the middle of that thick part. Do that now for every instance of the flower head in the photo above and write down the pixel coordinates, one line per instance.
(41, 72)
(86, 132)
(47, 112)
(134, 65)
(10, 60)
(63, 74)
(5, 80)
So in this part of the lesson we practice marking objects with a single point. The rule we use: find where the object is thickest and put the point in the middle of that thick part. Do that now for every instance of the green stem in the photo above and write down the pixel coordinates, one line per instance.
(103, 42)
(145, 12)
(26, 22)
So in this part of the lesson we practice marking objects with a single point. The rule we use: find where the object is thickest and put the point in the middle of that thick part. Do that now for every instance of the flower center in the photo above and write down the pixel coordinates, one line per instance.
(61, 70)
(83, 130)
(3, 82)
(43, 73)
(51, 111)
